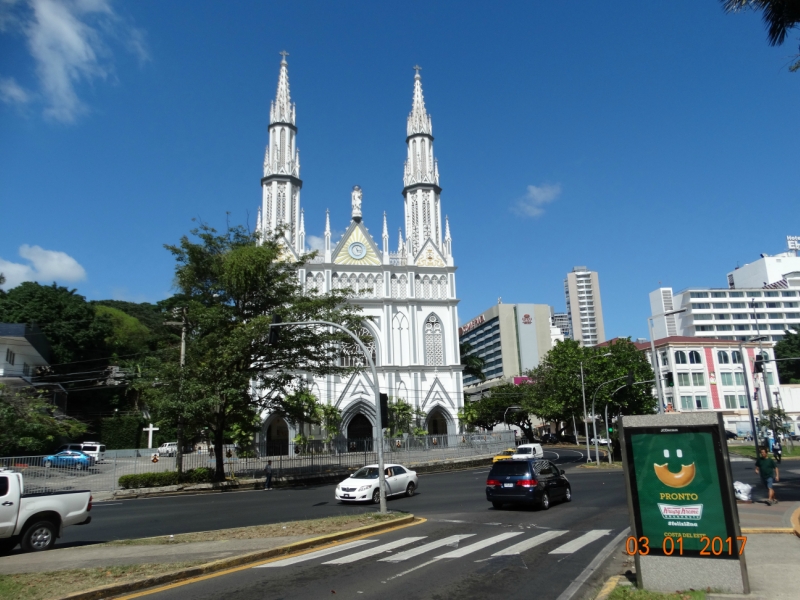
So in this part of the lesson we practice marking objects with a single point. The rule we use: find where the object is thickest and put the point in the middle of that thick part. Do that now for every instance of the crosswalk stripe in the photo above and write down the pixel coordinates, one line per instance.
(373, 551)
(312, 555)
(578, 543)
(480, 545)
(453, 539)
(529, 543)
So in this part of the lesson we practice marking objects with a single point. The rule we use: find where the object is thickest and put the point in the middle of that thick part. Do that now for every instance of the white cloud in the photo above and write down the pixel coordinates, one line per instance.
(67, 40)
(316, 242)
(44, 266)
(11, 92)
(532, 205)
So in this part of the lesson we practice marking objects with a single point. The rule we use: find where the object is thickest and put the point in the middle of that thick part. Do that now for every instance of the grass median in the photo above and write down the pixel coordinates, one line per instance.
(750, 451)
(311, 527)
(632, 593)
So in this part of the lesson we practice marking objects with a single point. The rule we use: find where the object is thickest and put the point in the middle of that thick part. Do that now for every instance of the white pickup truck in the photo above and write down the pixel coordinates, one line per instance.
(35, 520)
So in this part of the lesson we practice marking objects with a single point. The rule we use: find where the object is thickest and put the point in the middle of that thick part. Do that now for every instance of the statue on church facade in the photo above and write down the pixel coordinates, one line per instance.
(356, 200)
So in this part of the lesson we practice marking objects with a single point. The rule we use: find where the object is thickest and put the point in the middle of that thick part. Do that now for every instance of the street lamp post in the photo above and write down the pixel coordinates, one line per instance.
(594, 419)
(761, 338)
(381, 477)
(656, 368)
(747, 392)
(585, 416)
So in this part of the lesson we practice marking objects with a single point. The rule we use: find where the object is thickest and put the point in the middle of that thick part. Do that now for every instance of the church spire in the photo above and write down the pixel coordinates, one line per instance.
(327, 236)
(301, 242)
(385, 239)
(282, 109)
(418, 120)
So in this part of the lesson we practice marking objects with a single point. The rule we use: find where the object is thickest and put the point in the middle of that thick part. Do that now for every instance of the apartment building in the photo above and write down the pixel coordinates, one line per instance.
(585, 310)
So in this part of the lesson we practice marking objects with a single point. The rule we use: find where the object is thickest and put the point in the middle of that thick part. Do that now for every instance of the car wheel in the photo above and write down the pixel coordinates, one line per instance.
(48, 464)
(544, 503)
(39, 536)
(568, 495)
(376, 496)
(497, 505)
(410, 490)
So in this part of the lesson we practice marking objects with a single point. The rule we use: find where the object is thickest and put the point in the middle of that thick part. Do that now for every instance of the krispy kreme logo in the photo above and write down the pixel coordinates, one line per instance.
(686, 511)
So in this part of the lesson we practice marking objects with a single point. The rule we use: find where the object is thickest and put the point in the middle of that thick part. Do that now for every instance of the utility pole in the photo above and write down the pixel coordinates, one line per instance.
(182, 323)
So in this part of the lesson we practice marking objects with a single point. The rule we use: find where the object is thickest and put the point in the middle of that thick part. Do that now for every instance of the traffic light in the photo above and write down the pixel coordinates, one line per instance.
(610, 430)
(384, 411)
(758, 367)
(670, 379)
(274, 331)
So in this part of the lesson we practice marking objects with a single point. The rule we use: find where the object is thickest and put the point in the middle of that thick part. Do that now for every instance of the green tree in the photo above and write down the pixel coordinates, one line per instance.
(789, 347)
(231, 284)
(128, 335)
(28, 423)
(779, 16)
(473, 364)
(401, 416)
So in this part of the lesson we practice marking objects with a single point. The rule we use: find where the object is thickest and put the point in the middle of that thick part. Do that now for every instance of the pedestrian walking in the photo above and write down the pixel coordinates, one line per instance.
(268, 473)
(777, 451)
(769, 473)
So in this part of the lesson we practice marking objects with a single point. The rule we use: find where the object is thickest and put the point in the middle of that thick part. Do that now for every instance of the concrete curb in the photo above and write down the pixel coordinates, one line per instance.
(108, 591)
(753, 530)
(795, 519)
(609, 586)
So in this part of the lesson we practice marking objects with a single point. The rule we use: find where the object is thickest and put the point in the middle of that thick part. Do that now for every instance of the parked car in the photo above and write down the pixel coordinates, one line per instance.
(362, 486)
(529, 451)
(603, 441)
(70, 459)
(508, 453)
(168, 449)
(35, 520)
(549, 438)
(731, 435)
(529, 482)
(94, 449)
(569, 438)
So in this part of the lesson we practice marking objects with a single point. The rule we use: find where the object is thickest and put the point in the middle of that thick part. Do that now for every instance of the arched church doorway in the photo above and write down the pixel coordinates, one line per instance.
(277, 437)
(359, 434)
(437, 422)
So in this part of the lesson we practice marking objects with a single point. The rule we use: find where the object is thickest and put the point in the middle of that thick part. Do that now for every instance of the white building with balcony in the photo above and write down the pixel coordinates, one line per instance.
(584, 307)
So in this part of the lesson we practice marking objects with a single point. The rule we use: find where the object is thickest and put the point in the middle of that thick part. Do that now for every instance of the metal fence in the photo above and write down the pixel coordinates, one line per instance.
(316, 457)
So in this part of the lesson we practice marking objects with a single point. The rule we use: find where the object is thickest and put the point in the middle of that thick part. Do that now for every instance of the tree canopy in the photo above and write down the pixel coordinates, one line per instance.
(789, 347)
(779, 16)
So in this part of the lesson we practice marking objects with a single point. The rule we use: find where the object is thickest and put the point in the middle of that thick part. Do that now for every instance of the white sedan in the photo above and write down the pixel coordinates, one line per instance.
(362, 486)
(601, 441)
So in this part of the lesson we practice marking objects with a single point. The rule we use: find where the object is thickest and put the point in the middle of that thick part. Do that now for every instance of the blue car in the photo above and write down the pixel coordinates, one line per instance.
(71, 459)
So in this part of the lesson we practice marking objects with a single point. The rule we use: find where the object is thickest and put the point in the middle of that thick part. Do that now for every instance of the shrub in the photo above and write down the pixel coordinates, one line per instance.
(147, 480)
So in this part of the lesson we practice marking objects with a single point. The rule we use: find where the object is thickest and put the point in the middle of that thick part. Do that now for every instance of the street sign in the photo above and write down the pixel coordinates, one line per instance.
(684, 522)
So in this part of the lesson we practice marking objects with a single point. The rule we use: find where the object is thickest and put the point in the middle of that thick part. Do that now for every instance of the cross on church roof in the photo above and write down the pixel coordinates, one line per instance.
(284, 54)
(417, 68)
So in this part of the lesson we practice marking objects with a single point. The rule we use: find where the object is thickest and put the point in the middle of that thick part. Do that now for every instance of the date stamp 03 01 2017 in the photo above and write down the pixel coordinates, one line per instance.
(715, 546)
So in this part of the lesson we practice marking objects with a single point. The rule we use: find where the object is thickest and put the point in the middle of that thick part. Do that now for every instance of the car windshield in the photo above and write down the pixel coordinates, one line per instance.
(524, 450)
(366, 473)
(505, 467)
(90, 448)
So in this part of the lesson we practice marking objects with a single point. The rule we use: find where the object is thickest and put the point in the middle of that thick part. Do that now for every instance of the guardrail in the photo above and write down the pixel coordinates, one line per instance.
(51, 474)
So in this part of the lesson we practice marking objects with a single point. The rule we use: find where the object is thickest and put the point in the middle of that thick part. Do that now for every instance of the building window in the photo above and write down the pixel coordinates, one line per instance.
(10, 356)
(742, 401)
(664, 359)
(700, 305)
(703, 317)
(698, 294)
(770, 379)
(698, 380)
(722, 357)
(694, 358)
(738, 305)
(701, 402)
(720, 305)
(680, 357)
(772, 294)
(726, 378)
(724, 328)
(730, 401)
(719, 294)
(742, 327)
(686, 403)
(736, 357)
(788, 294)
(26, 370)
(704, 327)
(434, 350)
(683, 379)
(736, 294)
(739, 378)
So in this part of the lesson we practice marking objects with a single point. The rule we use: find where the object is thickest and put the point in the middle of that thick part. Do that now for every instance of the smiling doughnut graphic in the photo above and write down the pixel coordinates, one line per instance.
(675, 480)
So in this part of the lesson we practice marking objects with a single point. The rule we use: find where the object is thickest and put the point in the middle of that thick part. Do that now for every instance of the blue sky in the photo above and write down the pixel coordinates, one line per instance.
(652, 142)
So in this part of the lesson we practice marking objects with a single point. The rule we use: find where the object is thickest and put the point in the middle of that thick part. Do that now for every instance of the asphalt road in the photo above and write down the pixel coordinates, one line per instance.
(465, 549)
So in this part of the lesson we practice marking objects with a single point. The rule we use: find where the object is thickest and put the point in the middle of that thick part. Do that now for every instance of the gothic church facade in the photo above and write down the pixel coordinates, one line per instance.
(407, 295)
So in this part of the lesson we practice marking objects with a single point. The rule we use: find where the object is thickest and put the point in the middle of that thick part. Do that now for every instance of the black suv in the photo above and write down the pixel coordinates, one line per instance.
(530, 482)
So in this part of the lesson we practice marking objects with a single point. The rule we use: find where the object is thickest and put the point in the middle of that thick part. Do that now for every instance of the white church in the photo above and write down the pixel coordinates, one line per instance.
(408, 296)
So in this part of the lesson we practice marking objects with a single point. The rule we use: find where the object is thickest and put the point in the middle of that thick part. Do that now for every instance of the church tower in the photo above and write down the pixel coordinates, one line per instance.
(281, 183)
(421, 187)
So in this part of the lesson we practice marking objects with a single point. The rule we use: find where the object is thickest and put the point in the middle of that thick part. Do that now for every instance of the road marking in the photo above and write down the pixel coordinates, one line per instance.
(312, 555)
(480, 545)
(530, 543)
(596, 563)
(453, 539)
(578, 543)
(373, 551)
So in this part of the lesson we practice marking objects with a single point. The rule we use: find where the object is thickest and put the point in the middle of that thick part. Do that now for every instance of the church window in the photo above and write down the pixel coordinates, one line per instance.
(335, 281)
(415, 156)
(418, 286)
(414, 225)
(268, 214)
(283, 146)
(351, 353)
(319, 283)
(378, 290)
(292, 213)
(423, 153)
(354, 283)
(436, 219)
(443, 283)
(402, 285)
(363, 288)
(281, 204)
(309, 283)
(400, 343)
(394, 286)
(434, 342)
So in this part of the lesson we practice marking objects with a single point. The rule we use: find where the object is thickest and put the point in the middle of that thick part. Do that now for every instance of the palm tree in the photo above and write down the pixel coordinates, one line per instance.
(779, 15)
(473, 364)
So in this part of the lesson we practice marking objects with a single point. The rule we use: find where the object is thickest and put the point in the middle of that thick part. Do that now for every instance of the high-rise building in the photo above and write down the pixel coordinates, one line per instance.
(561, 320)
(510, 338)
(582, 292)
